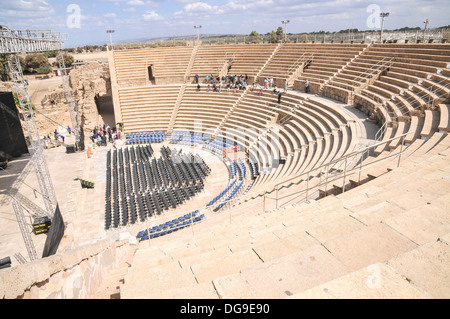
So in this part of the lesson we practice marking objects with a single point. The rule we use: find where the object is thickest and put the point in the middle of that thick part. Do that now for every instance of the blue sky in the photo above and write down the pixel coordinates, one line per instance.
(86, 21)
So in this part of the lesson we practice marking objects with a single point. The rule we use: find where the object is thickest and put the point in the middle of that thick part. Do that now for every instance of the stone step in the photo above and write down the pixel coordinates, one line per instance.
(147, 282)
(376, 281)
(282, 277)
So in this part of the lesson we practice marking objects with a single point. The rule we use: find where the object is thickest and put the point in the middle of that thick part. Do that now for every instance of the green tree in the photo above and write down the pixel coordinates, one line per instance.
(50, 54)
(254, 37)
(35, 60)
(44, 69)
(280, 34)
(273, 37)
(4, 76)
(68, 60)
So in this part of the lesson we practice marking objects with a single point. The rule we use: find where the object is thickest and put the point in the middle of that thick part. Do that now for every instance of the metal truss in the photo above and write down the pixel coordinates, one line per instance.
(71, 104)
(12, 43)
(24, 230)
(19, 41)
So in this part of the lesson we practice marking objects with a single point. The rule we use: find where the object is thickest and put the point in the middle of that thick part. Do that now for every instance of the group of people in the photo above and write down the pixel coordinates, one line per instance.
(229, 82)
(101, 135)
(236, 83)
(57, 136)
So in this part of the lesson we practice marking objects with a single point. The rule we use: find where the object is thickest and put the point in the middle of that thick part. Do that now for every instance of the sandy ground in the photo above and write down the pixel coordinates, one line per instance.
(39, 87)
(94, 56)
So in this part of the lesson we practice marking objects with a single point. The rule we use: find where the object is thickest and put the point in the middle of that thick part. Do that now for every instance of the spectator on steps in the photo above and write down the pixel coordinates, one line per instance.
(306, 86)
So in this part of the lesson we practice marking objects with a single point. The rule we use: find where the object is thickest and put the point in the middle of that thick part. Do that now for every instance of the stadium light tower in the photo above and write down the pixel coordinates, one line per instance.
(425, 29)
(110, 36)
(383, 15)
(285, 24)
(198, 27)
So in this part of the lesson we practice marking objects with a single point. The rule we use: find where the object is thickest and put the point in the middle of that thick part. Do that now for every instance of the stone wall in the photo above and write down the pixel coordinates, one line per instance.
(86, 82)
(314, 88)
(73, 274)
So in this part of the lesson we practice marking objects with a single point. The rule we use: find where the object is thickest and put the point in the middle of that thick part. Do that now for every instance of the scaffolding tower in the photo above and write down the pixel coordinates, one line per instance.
(13, 43)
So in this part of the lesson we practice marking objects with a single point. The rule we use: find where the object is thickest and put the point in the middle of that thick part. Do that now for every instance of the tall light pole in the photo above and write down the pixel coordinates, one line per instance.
(425, 29)
(383, 15)
(285, 24)
(110, 36)
(198, 27)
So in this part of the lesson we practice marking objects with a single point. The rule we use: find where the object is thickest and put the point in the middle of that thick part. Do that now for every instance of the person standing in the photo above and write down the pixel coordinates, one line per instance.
(279, 97)
(285, 85)
(306, 86)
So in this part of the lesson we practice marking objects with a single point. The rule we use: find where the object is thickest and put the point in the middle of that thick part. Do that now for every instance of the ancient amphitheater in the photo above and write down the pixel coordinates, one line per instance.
(340, 192)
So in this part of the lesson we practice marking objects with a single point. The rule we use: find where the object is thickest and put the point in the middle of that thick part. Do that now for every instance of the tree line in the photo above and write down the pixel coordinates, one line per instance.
(35, 63)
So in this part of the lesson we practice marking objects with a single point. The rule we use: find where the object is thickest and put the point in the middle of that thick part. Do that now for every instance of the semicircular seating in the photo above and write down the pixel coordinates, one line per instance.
(394, 84)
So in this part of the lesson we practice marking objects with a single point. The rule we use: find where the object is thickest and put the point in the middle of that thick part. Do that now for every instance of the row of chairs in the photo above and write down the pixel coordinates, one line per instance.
(145, 137)
(139, 186)
(168, 225)
(218, 144)
(222, 193)
(108, 209)
(241, 169)
(193, 163)
(232, 169)
(254, 170)
(248, 188)
(130, 209)
(174, 228)
(226, 200)
(188, 138)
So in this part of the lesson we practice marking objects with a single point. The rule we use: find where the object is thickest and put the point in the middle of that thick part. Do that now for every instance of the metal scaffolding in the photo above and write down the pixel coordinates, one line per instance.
(12, 43)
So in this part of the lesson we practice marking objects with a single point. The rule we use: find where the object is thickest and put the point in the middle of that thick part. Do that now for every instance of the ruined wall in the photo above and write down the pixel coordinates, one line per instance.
(90, 81)
(86, 82)
(73, 274)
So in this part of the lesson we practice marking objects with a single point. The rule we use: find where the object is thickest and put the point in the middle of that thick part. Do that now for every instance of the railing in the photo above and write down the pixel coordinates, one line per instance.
(338, 170)
(377, 68)
(303, 59)
(380, 133)
(226, 61)
(429, 97)
(370, 74)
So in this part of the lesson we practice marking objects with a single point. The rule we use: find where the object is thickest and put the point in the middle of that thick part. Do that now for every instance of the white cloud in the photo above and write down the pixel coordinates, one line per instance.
(25, 9)
(202, 8)
(151, 16)
(131, 9)
(136, 3)
(110, 15)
